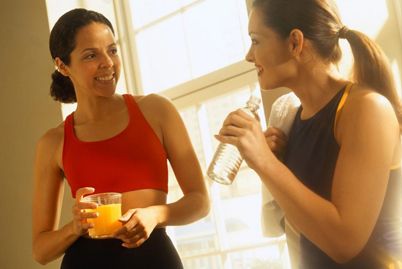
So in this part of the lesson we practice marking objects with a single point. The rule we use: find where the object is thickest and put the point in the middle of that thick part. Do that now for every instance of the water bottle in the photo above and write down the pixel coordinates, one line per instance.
(227, 159)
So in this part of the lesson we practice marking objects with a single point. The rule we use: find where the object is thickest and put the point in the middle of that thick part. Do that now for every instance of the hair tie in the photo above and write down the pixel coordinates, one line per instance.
(343, 31)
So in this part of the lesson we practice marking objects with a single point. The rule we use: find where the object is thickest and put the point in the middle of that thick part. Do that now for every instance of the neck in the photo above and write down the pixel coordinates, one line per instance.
(92, 109)
(316, 87)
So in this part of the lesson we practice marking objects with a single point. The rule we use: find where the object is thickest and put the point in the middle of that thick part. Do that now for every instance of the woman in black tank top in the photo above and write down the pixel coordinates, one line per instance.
(340, 179)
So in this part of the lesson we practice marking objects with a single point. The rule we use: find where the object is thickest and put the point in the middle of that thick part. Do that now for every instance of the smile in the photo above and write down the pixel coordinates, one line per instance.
(107, 78)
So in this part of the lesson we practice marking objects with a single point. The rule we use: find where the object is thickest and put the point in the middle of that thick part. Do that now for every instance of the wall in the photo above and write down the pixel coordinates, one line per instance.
(27, 111)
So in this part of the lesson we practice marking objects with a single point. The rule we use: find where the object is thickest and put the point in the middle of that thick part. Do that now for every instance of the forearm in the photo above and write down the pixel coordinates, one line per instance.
(50, 245)
(190, 208)
(318, 219)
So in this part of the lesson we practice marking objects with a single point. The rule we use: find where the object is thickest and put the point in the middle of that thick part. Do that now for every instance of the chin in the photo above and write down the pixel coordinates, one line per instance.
(267, 84)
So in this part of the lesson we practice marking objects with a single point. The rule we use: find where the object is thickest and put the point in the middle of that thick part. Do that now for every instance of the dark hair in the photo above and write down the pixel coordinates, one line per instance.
(320, 22)
(62, 42)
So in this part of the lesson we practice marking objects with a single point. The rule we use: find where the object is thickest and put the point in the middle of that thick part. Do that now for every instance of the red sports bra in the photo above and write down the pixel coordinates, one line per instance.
(132, 160)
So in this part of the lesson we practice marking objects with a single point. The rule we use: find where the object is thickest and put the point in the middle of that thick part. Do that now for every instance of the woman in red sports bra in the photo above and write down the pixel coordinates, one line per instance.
(111, 143)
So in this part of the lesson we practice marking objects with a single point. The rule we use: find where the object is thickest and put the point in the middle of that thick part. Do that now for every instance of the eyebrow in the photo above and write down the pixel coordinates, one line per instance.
(255, 33)
(84, 50)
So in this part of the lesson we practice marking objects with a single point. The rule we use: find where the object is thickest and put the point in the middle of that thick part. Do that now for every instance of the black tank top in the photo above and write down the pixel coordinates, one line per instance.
(311, 155)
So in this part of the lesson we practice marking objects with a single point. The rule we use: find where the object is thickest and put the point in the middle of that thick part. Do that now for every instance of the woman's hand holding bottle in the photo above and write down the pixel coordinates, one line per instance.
(245, 132)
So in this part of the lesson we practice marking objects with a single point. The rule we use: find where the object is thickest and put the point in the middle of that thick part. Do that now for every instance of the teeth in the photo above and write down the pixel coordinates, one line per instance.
(105, 78)
(259, 69)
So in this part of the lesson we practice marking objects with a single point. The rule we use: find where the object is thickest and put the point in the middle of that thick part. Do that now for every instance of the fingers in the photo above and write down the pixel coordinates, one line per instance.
(80, 216)
(81, 192)
(135, 237)
(276, 140)
(238, 118)
(134, 231)
(86, 215)
(128, 226)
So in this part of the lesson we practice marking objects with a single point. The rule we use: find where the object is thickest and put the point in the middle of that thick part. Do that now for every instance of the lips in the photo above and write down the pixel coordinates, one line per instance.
(105, 78)
(259, 69)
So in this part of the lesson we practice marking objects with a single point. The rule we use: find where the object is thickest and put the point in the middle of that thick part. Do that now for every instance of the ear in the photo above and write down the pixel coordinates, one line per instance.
(63, 69)
(296, 39)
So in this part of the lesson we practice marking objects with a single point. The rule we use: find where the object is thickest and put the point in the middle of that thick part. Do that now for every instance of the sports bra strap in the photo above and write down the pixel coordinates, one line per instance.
(341, 103)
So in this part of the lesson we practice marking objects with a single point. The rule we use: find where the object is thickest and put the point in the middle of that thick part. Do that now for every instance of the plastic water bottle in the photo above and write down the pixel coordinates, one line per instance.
(227, 159)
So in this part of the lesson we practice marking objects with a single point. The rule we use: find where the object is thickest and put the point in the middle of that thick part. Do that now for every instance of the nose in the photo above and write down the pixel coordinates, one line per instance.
(106, 62)
(250, 56)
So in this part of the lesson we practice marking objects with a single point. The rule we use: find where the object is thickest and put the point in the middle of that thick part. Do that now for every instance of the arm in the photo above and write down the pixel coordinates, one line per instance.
(367, 134)
(49, 243)
(194, 205)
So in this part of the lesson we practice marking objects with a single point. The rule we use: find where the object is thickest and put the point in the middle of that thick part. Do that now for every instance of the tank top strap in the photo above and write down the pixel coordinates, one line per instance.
(68, 133)
(132, 106)
(68, 125)
(341, 103)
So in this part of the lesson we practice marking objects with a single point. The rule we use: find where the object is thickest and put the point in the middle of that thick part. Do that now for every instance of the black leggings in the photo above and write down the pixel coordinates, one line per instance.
(157, 252)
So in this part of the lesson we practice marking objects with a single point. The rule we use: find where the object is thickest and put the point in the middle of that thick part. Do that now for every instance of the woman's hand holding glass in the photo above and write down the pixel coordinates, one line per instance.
(80, 225)
(138, 226)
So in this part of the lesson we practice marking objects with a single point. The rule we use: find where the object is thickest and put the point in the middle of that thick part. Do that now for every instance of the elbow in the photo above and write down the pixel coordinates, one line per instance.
(206, 207)
(346, 251)
(39, 255)
(39, 258)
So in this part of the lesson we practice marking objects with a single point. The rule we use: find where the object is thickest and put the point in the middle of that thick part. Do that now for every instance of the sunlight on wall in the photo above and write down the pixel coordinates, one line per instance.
(367, 16)
(396, 71)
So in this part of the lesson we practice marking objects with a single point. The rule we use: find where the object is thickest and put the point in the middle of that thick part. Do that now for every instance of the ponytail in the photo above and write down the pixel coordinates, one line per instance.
(62, 89)
(371, 68)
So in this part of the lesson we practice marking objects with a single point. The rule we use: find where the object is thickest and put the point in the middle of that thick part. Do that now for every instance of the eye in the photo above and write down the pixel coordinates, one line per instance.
(113, 51)
(90, 56)
(254, 41)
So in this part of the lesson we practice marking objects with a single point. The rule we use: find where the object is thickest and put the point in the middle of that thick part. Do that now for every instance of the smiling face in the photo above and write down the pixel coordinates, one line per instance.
(95, 65)
(271, 54)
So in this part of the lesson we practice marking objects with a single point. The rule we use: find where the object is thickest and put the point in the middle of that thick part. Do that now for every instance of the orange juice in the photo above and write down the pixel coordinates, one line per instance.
(107, 221)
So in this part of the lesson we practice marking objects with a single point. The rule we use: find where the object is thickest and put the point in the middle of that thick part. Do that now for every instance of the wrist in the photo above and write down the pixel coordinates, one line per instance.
(267, 166)
(157, 215)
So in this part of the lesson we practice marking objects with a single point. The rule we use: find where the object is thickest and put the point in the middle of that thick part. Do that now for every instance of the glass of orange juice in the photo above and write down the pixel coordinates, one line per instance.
(109, 210)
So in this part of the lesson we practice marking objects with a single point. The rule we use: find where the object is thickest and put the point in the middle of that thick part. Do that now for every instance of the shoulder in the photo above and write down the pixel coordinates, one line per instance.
(155, 104)
(152, 99)
(52, 139)
(365, 101)
(366, 110)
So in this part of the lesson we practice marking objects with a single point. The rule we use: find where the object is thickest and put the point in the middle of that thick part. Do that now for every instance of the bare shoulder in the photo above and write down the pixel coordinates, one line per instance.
(52, 141)
(363, 100)
(155, 104)
(366, 109)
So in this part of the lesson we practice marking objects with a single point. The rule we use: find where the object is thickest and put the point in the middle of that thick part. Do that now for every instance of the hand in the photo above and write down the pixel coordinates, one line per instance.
(244, 132)
(80, 225)
(276, 140)
(138, 226)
